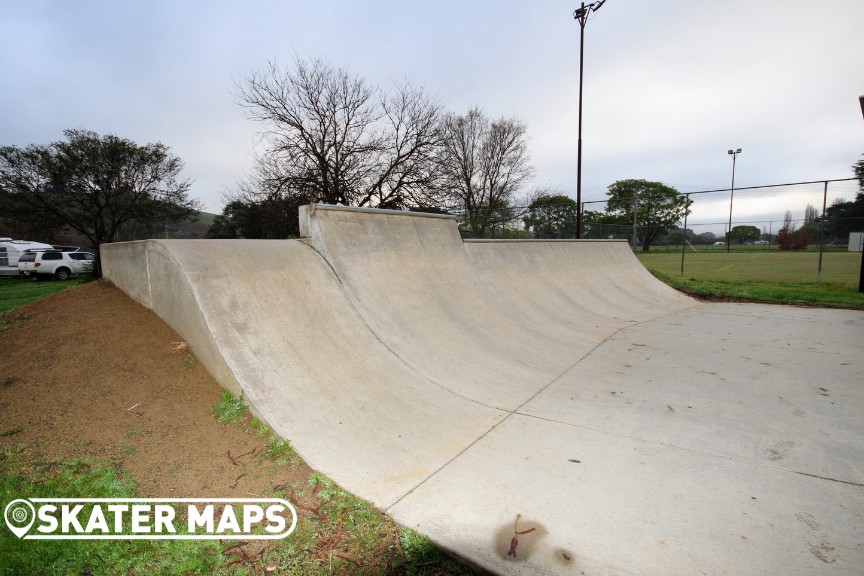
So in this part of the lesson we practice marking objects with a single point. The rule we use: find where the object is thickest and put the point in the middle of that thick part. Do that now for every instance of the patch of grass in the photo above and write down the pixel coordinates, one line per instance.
(15, 292)
(229, 409)
(280, 451)
(27, 475)
(189, 362)
(823, 295)
(346, 535)
(259, 428)
(11, 320)
(419, 554)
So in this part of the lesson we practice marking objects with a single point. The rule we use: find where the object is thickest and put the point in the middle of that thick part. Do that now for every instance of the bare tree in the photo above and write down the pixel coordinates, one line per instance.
(811, 214)
(482, 165)
(788, 223)
(407, 171)
(333, 138)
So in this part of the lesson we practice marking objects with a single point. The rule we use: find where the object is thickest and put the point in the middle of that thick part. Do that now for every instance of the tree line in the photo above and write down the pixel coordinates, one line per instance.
(330, 136)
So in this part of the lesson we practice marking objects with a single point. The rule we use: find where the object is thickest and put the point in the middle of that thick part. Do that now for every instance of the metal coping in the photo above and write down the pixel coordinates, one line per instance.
(380, 211)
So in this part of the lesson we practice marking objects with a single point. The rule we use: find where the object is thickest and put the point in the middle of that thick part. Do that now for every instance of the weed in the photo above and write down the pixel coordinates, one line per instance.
(11, 320)
(229, 409)
(421, 557)
(278, 448)
(189, 362)
(260, 429)
(318, 479)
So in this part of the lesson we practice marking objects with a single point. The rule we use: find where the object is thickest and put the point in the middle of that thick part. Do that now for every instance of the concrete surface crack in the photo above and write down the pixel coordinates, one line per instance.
(859, 484)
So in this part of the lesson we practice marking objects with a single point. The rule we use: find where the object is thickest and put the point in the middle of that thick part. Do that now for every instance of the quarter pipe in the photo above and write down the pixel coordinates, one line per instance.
(535, 407)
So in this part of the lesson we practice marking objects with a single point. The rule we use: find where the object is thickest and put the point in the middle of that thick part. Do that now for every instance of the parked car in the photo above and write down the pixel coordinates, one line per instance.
(82, 262)
(54, 264)
(11, 250)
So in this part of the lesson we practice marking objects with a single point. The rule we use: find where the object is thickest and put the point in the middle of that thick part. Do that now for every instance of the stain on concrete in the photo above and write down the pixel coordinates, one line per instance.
(517, 540)
(779, 450)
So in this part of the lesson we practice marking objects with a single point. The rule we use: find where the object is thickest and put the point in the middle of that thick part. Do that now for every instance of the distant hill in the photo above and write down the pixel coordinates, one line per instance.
(188, 230)
(192, 229)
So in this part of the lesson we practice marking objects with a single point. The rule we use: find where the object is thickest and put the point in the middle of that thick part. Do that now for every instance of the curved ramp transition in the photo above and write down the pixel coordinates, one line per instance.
(460, 385)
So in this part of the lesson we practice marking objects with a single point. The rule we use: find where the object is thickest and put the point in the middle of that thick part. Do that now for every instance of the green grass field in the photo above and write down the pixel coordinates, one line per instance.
(762, 266)
(15, 292)
(763, 276)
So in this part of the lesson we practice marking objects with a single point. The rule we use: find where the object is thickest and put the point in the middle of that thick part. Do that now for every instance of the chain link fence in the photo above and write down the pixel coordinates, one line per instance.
(811, 218)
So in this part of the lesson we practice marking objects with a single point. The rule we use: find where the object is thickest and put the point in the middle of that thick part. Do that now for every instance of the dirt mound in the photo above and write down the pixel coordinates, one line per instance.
(89, 372)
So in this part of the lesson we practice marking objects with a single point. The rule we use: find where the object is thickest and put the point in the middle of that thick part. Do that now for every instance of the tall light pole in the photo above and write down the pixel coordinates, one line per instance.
(581, 16)
(734, 154)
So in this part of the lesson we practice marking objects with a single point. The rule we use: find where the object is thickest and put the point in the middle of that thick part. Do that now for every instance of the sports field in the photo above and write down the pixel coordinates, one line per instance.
(839, 268)
(763, 276)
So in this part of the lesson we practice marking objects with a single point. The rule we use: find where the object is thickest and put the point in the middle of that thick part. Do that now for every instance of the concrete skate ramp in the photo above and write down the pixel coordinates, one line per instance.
(462, 385)
(444, 309)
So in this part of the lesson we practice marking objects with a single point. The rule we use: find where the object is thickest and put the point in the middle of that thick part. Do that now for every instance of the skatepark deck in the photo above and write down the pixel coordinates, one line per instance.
(461, 385)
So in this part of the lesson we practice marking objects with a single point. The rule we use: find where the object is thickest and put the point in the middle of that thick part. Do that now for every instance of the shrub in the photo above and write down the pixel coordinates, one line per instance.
(792, 239)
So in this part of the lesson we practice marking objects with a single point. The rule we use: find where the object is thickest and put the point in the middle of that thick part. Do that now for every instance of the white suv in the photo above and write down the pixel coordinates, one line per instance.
(54, 263)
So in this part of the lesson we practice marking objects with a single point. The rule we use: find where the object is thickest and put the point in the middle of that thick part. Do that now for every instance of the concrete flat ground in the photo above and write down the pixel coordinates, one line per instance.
(534, 407)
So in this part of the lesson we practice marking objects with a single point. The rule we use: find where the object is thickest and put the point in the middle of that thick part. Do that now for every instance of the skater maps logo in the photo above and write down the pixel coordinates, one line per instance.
(150, 518)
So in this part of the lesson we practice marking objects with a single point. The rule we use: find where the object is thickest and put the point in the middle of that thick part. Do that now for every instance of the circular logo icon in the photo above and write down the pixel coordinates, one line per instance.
(19, 515)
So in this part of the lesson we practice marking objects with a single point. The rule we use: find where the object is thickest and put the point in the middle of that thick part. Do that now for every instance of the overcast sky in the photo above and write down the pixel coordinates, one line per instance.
(670, 85)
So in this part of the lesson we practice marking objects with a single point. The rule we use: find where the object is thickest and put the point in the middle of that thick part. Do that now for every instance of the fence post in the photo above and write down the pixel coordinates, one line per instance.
(580, 223)
(684, 244)
(822, 233)
(861, 273)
